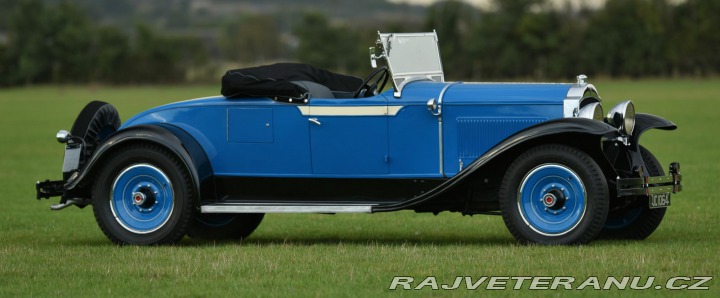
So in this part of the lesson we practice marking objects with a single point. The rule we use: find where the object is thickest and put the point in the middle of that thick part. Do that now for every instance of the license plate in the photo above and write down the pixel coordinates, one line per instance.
(659, 200)
(72, 159)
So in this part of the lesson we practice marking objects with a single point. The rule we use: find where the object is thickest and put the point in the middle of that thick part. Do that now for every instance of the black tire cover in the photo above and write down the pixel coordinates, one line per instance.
(96, 121)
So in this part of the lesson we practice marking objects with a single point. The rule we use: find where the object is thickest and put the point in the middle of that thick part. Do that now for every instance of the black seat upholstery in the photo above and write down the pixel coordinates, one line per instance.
(316, 90)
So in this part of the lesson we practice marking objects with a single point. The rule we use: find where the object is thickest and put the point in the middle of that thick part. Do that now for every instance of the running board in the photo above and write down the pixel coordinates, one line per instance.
(284, 208)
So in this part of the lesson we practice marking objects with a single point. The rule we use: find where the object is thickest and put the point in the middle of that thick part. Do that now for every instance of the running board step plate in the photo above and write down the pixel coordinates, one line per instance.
(284, 208)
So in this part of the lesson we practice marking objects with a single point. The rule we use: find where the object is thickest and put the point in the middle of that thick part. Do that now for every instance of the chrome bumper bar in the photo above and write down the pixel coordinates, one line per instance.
(647, 185)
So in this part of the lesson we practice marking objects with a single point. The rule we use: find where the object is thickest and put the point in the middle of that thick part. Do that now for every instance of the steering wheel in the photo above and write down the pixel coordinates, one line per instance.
(370, 89)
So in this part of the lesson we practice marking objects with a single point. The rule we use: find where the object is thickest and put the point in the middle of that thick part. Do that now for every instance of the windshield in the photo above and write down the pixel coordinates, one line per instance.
(410, 57)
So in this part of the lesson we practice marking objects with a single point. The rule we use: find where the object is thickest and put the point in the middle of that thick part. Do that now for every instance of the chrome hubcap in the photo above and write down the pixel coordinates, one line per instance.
(550, 200)
(138, 198)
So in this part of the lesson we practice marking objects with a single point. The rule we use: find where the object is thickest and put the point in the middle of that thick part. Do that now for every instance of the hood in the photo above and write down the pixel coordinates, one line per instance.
(460, 93)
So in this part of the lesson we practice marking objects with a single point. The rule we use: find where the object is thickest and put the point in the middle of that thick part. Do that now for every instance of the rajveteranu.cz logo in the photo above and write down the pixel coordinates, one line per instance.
(550, 283)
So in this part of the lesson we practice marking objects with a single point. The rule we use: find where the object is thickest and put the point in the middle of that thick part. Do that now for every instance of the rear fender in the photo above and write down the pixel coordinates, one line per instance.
(170, 137)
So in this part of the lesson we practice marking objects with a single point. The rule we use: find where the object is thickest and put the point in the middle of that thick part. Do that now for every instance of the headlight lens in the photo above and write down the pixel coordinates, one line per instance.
(622, 116)
(62, 136)
(592, 111)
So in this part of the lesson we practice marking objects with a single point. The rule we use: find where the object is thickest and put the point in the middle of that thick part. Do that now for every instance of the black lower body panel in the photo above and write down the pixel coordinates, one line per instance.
(329, 190)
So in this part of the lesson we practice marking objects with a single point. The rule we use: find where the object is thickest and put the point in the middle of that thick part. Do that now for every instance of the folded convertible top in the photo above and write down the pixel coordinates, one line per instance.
(275, 81)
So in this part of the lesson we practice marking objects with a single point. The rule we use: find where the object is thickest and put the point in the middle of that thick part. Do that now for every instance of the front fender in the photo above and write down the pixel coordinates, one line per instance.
(170, 137)
(645, 122)
(581, 132)
(625, 158)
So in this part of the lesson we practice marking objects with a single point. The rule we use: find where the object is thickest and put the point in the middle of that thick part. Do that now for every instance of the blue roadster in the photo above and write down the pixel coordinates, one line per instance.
(290, 138)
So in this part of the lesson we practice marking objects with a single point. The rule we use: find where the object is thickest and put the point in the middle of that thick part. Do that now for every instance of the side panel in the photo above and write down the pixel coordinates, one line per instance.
(284, 150)
(414, 136)
(348, 137)
(476, 117)
(476, 135)
(585, 130)
(245, 137)
(250, 125)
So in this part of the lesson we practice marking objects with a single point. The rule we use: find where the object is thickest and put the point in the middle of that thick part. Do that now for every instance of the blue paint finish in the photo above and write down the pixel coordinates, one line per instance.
(262, 137)
(506, 94)
(250, 125)
(558, 219)
(206, 120)
(158, 206)
(348, 146)
(476, 117)
(477, 135)
(413, 133)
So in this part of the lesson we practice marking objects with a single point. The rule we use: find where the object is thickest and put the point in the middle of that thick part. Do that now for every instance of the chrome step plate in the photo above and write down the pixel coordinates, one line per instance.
(284, 208)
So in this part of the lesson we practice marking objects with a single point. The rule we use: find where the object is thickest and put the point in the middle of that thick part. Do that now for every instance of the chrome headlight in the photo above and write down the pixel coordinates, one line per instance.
(592, 111)
(62, 136)
(622, 116)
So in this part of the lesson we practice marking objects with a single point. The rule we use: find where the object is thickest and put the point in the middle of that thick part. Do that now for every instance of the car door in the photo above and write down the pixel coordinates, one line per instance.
(348, 137)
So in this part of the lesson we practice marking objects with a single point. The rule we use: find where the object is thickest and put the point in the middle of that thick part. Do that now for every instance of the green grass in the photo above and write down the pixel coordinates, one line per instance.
(44, 253)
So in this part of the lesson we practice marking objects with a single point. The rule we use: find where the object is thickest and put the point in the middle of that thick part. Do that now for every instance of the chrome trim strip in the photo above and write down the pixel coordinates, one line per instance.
(440, 125)
(349, 110)
(442, 95)
(273, 208)
(440, 136)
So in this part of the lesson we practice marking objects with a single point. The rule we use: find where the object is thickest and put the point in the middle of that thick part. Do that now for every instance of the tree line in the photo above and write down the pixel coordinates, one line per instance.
(528, 39)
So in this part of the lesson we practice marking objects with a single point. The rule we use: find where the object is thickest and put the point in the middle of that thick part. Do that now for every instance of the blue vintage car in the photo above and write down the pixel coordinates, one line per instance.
(290, 138)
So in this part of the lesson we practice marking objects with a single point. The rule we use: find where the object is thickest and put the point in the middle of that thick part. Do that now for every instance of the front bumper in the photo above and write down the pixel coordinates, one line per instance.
(650, 185)
(47, 189)
(56, 188)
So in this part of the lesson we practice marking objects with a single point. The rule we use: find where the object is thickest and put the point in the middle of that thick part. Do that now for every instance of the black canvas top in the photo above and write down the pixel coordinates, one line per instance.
(275, 81)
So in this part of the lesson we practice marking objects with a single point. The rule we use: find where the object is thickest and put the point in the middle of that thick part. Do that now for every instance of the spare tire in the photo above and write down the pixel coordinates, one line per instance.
(95, 123)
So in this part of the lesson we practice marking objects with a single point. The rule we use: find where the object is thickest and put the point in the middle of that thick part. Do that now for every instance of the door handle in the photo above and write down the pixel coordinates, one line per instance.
(314, 120)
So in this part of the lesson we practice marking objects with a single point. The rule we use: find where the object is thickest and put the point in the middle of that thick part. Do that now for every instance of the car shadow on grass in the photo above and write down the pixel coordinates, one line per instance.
(426, 240)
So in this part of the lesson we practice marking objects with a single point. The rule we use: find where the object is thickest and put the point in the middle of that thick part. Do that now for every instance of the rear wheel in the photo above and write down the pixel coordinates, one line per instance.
(225, 226)
(554, 194)
(143, 196)
(632, 218)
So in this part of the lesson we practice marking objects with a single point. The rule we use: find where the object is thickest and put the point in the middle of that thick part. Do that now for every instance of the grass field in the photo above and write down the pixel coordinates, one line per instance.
(44, 253)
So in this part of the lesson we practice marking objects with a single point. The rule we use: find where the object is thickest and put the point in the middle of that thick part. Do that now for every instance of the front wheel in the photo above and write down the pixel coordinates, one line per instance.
(554, 194)
(631, 218)
(143, 196)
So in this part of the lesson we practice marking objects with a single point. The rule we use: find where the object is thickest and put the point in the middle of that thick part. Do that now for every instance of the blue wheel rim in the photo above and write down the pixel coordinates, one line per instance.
(142, 199)
(552, 199)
